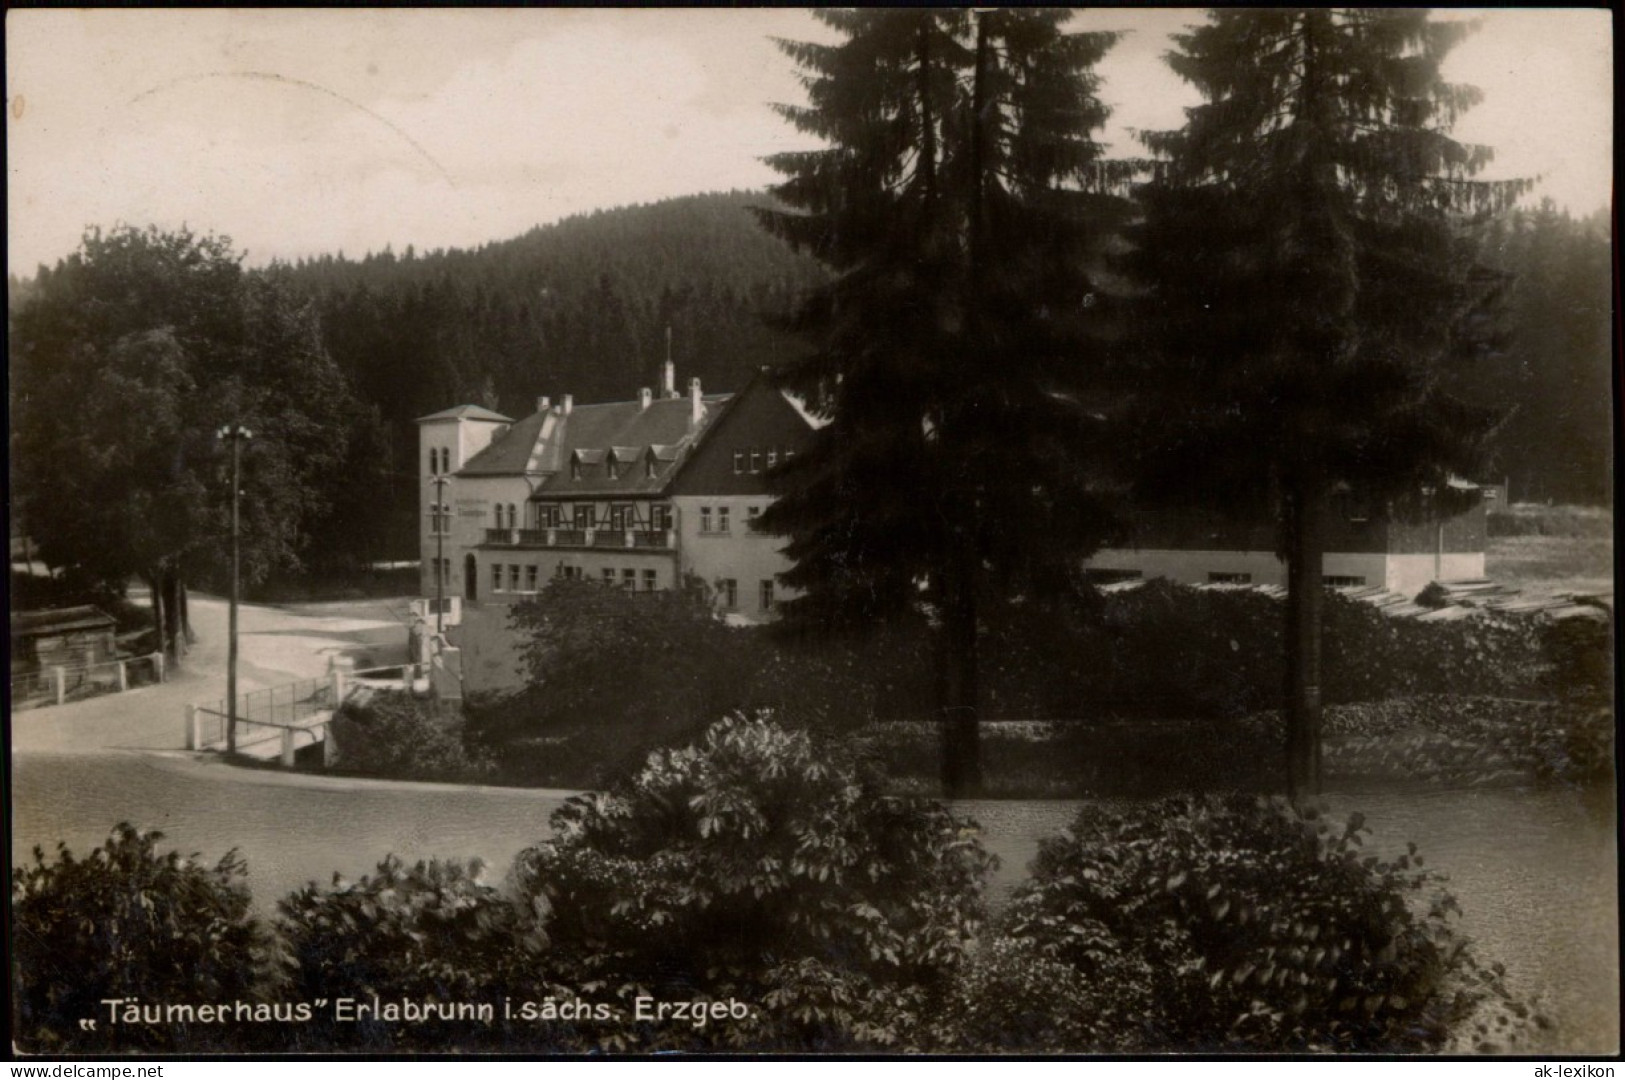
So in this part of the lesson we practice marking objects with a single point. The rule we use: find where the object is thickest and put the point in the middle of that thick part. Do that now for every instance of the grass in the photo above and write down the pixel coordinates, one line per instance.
(1552, 549)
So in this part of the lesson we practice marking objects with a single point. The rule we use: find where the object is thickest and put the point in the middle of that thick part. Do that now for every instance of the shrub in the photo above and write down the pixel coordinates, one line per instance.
(757, 865)
(396, 735)
(1245, 926)
(1468, 740)
(433, 933)
(128, 923)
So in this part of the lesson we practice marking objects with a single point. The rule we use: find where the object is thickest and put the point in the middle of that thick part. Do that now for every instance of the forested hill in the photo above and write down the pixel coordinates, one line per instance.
(577, 307)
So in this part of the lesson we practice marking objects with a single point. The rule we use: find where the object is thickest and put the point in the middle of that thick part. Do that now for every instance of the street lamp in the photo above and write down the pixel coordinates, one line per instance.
(237, 435)
(441, 523)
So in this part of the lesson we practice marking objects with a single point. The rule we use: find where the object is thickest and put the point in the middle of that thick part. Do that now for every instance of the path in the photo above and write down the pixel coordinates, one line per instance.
(276, 645)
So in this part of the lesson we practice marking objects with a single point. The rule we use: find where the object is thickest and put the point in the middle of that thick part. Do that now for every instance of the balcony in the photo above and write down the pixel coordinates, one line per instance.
(639, 539)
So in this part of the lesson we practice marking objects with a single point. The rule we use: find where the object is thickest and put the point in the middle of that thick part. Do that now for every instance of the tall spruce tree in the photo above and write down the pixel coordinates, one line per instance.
(1307, 281)
(958, 201)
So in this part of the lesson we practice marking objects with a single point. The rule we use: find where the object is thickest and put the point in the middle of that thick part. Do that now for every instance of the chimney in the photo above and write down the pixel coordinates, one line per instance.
(543, 403)
(668, 373)
(568, 403)
(644, 397)
(696, 408)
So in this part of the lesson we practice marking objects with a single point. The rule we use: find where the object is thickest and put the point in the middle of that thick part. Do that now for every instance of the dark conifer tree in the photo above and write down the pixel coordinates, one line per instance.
(1307, 279)
(958, 202)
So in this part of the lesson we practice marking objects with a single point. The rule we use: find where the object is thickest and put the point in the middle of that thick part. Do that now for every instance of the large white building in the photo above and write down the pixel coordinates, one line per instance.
(635, 494)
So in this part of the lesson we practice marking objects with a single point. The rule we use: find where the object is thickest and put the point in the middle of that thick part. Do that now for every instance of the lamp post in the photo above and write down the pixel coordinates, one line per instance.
(440, 521)
(237, 435)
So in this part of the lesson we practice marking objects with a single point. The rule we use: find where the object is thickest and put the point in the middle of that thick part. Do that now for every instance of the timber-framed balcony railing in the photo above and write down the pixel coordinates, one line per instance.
(641, 539)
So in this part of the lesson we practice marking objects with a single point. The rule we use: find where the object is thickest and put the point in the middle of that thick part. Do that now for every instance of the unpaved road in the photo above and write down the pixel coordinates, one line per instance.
(276, 645)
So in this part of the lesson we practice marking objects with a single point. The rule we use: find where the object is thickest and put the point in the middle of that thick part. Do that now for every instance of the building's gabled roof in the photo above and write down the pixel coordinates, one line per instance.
(59, 621)
(519, 450)
(588, 433)
(467, 412)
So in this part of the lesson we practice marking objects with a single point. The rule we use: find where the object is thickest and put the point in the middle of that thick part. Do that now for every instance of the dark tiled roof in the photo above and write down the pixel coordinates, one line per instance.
(29, 623)
(521, 449)
(589, 432)
(467, 412)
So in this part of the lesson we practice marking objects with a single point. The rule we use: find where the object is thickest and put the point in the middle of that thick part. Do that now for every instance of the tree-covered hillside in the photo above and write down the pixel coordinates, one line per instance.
(578, 307)
(1552, 380)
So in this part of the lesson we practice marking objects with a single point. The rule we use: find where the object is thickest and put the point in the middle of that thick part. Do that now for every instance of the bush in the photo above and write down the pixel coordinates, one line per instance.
(1466, 740)
(758, 866)
(396, 735)
(128, 923)
(433, 933)
(1239, 925)
(595, 653)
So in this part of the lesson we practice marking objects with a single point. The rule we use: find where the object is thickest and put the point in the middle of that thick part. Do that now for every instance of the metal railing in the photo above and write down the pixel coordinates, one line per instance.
(274, 707)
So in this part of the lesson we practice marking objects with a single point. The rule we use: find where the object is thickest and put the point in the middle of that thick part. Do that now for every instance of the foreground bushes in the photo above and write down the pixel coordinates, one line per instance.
(760, 879)
(755, 866)
(128, 923)
(1237, 924)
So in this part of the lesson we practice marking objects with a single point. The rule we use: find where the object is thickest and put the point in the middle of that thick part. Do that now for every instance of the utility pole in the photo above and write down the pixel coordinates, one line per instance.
(441, 522)
(237, 435)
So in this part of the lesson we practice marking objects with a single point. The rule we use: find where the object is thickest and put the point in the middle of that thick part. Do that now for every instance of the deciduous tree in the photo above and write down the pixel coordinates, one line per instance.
(125, 360)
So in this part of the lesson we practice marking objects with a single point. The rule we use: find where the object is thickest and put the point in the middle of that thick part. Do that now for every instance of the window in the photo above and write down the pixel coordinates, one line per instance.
(620, 517)
(612, 467)
(575, 468)
(755, 461)
(1229, 578)
(730, 593)
(609, 576)
(569, 573)
(586, 515)
(445, 459)
(649, 467)
(531, 577)
(1106, 575)
(1343, 581)
(434, 461)
(547, 515)
(739, 462)
(496, 577)
(660, 517)
(513, 577)
(649, 581)
(788, 454)
(629, 578)
(722, 519)
(705, 519)
(753, 512)
(513, 516)
(767, 596)
(772, 457)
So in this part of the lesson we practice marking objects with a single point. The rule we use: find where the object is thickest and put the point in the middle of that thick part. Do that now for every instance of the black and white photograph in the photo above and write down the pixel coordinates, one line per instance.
(885, 532)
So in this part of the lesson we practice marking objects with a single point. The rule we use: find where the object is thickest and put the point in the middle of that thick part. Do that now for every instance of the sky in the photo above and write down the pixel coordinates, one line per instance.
(304, 132)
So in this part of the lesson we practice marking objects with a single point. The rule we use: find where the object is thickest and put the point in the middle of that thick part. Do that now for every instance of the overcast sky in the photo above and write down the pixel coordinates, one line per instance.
(299, 132)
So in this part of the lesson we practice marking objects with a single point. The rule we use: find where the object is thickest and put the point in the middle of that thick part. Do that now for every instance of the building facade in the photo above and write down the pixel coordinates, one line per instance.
(636, 494)
(1363, 548)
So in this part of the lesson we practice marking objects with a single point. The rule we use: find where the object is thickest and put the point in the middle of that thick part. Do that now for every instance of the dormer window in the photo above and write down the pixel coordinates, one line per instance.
(755, 461)
(739, 462)
(649, 467)
(612, 467)
(575, 468)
